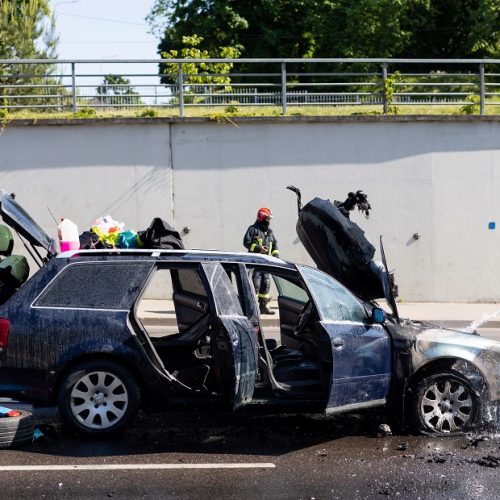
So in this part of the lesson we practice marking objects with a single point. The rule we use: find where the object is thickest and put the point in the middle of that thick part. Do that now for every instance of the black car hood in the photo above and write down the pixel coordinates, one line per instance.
(339, 247)
(18, 219)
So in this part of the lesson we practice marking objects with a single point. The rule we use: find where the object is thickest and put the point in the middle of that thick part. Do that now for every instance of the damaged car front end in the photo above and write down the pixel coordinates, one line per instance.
(443, 381)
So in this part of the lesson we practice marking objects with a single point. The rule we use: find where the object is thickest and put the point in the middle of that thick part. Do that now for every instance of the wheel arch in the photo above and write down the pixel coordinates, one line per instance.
(123, 362)
(463, 367)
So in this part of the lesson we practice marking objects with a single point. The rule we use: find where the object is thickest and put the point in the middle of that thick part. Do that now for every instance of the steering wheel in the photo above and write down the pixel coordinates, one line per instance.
(303, 319)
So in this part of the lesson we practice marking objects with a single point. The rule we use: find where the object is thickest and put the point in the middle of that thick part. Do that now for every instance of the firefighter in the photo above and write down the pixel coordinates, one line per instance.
(259, 238)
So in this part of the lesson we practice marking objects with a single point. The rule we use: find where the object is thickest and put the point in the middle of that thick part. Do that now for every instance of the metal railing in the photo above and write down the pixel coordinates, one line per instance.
(70, 85)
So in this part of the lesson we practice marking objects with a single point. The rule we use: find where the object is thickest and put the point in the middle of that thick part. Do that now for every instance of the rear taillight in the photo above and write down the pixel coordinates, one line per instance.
(4, 332)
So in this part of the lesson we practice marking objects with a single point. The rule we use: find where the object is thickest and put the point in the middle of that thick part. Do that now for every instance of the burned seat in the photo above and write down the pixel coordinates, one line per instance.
(187, 354)
(295, 367)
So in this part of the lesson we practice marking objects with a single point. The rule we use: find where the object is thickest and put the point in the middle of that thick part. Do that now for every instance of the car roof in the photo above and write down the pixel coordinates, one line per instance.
(191, 255)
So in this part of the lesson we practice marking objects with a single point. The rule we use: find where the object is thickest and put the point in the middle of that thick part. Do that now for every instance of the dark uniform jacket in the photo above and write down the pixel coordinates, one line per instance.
(260, 235)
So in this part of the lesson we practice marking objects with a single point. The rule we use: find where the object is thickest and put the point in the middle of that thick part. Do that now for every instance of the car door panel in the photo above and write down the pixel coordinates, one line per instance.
(240, 360)
(236, 354)
(361, 366)
(360, 351)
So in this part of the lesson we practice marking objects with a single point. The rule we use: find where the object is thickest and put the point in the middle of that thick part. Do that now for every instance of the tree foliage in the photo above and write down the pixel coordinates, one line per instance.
(116, 90)
(196, 74)
(334, 28)
(453, 29)
(27, 31)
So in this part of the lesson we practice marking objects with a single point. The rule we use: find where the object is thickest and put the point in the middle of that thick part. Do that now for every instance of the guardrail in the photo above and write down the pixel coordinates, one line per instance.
(70, 85)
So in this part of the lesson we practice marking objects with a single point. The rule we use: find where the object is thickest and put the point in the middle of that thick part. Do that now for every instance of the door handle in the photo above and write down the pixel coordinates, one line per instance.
(338, 343)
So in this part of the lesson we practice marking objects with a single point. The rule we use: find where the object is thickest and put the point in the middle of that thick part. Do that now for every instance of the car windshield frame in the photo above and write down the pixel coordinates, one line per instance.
(320, 286)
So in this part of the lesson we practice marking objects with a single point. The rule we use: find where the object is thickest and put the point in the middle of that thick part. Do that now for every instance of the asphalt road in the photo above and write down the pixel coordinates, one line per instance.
(193, 456)
(247, 456)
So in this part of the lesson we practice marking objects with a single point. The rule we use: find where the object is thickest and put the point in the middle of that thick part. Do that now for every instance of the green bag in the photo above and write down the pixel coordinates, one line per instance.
(6, 241)
(14, 270)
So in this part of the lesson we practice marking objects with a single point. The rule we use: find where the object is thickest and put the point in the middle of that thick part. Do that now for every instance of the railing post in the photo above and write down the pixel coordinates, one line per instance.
(482, 90)
(283, 88)
(384, 95)
(181, 91)
(73, 87)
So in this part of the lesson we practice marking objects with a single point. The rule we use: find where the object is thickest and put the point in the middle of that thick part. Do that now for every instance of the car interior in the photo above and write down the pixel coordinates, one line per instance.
(183, 347)
(290, 363)
(290, 352)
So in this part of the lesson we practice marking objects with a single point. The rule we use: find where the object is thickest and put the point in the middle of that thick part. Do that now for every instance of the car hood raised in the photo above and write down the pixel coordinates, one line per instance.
(18, 219)
(339, 247)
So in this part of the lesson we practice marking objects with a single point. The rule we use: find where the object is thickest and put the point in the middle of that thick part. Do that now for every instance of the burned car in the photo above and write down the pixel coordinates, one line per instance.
(450, 379)
(75, 335)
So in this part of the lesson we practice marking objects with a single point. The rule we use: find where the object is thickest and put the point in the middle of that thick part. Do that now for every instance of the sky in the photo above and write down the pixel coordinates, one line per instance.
(104, 29)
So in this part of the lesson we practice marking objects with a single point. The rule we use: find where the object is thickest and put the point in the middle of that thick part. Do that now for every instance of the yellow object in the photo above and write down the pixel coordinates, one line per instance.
(109, 239)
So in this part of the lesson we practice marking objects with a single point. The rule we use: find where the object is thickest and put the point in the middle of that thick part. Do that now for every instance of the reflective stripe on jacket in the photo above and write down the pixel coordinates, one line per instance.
(260, 235)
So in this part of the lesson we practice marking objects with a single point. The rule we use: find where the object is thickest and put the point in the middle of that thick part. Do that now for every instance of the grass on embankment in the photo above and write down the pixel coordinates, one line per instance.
(234, 111)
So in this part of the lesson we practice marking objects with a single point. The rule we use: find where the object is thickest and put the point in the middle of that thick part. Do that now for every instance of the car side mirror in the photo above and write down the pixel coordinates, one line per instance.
(378, 315)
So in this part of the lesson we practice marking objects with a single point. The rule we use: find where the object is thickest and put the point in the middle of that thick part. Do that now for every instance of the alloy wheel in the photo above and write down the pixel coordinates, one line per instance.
(447, 405)
(99, 400)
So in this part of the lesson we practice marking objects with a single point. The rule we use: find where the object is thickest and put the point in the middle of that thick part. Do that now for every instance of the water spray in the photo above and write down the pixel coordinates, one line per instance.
(481, 321)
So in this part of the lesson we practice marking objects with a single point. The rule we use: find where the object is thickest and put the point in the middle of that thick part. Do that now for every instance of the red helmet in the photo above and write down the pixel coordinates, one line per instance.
(263, 214)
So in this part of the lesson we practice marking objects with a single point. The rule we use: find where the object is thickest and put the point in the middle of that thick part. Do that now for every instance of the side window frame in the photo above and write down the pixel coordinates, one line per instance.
(287, 275)
(37, 303)
(345, 292)
(177, 283)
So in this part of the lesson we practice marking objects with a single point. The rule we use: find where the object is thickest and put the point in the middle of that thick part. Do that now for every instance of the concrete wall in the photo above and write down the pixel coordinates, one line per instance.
(438, 177)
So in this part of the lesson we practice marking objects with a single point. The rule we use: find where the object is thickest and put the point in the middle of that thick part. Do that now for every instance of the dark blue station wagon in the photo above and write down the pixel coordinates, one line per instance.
(76, 334)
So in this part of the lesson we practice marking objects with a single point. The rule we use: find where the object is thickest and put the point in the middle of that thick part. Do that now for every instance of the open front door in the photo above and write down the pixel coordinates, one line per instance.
(361, 366)
(360, 352)
(235, 340)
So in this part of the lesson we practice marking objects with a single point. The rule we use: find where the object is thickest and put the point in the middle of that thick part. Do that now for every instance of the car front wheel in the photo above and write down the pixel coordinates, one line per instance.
(445, 403)
(98, 397)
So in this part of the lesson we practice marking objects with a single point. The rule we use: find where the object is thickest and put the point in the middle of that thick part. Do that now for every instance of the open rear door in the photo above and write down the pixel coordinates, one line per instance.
(235, 339)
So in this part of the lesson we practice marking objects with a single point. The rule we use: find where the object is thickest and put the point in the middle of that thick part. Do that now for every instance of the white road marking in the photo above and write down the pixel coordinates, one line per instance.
(21, 468)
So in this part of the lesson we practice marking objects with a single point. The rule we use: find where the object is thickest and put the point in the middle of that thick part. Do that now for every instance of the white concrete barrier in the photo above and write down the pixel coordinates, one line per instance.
(436, 177)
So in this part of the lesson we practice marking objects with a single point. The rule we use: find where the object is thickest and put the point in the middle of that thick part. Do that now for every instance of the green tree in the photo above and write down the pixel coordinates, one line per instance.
(365, 28)
(286, 28)
(27, 31)
(453, 29)
(262, 28)
(199, 75)
(333, 28)
(116, 90)
(216, 21)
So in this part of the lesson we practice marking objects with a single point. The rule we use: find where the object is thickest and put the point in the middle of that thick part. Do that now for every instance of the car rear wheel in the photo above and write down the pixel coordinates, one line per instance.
(98, 397)
(445, 403)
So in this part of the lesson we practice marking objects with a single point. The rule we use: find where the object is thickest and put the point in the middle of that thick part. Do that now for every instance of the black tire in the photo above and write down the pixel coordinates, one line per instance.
(16, 431)
(445, 403)
(98, 398)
